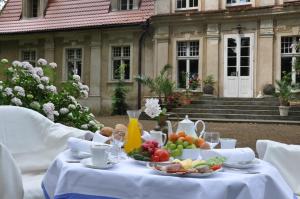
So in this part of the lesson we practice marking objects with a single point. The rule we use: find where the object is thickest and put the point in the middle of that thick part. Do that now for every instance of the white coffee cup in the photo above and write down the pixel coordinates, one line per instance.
(158, 136)
(100, 155)
(227, 143)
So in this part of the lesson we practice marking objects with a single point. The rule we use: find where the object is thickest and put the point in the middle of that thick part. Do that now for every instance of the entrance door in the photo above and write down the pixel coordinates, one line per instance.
(238, 63)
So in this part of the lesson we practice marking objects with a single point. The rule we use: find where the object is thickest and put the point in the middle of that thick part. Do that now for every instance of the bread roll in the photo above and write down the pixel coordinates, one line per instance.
(107, 131)
(121, 127)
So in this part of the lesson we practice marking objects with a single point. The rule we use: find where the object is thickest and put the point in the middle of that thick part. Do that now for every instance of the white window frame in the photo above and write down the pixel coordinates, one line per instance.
(238, 3)
(111, 58)
(294, 54)
(188, 58)
(29, 49)
(128, 5)
(187, 6)
(65, 61)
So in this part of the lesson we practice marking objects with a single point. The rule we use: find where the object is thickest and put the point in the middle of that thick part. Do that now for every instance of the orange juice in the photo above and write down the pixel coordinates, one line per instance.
(133, 138)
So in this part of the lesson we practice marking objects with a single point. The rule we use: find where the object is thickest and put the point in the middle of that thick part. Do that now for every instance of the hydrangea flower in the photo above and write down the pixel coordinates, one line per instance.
(20, 91)
(85, 87)
(42, 62)
(64, 111)
(85, 126)
(72, 107)
(153, 108)
(1, 87)
(16, 101)
(45, 80)
(53, 65)
(84, 94)
(92, 123)
(10, 69)
(8, 91)
(49, 110)
(35, 105)
(76, 78)
(41, 86)
(4, 61)
(36, 77)
(51, 89)
(26, 64)
(39, 71)
(17, 63)
(70, 115)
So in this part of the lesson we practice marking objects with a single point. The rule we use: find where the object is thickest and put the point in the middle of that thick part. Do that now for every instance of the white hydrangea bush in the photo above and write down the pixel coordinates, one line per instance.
(32, 87)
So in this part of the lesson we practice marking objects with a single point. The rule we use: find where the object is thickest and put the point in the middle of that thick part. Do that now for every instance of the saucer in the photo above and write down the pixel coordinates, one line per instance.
(80, 155)
(88, 163)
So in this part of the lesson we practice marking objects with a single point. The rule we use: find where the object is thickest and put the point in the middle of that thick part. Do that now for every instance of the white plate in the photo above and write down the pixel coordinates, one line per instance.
(195, 175)
(88, 163)
(145, 162)
(242, 165)
(80, 155)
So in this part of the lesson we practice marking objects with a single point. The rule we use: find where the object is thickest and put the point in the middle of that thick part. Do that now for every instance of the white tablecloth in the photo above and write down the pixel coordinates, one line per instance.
(129, 180)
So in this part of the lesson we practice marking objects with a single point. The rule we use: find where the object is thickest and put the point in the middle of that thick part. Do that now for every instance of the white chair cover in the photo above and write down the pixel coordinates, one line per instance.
(286, 158)
(34, 141)
(10, 177)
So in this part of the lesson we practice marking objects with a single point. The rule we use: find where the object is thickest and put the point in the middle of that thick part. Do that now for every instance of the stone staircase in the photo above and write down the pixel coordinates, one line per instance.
(220, 109)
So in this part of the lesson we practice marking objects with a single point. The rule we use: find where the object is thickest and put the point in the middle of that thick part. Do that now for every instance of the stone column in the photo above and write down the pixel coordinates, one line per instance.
(161, 48)
(211, 5)
(49, 49)
(94, 100)
(265, 49)
(212, 53)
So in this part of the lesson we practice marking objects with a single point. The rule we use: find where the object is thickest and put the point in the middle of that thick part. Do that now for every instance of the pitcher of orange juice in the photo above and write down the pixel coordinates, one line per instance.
(133, 138)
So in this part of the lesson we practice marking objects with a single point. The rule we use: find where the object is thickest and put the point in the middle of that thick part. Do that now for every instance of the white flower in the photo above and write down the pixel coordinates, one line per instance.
(153, 108)
(84, 94)
(64, 111)
(56, 113)
(45, 80)
(36, 77)
(35, 105)
(31, 69)
(4, 61)
(17, 63)
(1, 82)
(53, 65)
(26, 64)
(39, 71)
(76, 78)
(70, 115)
(15, 78)
(50, 117)
(41, 86)
(1, 87)
(48, 108)
(72, 107)
(84, 87)
(20, 91)
(8, 91)
(10, 69)
(51, 89)
(42, 62)
(92, 123)
(84, 126)
(16, 101)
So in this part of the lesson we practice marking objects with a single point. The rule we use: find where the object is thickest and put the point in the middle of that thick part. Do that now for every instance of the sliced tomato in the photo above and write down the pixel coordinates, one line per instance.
(216, 167)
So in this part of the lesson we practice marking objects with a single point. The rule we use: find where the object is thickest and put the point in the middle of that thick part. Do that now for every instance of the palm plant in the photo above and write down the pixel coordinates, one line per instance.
(284, 89)
(162, 85)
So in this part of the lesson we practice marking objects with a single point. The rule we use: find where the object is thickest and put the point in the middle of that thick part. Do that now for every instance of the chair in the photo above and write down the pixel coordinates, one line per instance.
(286, 158)
(33, 142)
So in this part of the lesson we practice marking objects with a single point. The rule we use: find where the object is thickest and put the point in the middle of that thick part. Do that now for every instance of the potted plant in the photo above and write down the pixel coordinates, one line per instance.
(208, 85)
(284, 93)
(194, 82)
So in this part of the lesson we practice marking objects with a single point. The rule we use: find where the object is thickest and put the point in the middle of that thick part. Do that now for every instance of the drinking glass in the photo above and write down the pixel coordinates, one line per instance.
(212, 138)
(118, 138)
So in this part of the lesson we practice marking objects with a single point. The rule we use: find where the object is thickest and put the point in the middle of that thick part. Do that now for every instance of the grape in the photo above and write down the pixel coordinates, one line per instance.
(193, 146)
(173, 146)
(180, 147)
(185, 144)
(179, 141)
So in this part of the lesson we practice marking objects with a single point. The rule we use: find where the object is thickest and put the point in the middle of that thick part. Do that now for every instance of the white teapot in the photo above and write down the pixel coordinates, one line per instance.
(188, 127)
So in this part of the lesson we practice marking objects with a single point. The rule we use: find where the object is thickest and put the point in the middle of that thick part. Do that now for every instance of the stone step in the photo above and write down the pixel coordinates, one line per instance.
(239, 116)
(240, 107)
(233, 111)
(239, 99)
(227, 102)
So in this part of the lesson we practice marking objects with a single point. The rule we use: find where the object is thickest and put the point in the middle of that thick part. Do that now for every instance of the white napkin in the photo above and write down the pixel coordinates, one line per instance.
(78, 145)
(232, 155)
(146, 136)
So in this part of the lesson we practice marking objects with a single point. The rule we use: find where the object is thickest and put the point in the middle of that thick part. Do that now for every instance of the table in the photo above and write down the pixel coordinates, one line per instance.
(129, 180)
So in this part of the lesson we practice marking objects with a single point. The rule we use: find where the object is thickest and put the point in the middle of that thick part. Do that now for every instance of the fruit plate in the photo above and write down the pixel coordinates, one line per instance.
(182, 174)
(242, 165)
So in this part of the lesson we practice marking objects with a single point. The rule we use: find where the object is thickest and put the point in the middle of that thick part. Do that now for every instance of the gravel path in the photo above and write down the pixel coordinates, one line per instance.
(245, 133)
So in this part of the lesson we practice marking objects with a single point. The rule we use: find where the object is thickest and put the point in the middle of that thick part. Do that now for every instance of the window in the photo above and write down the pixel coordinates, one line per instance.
(289, 55)
(126, 4)
(29, 55)
(237, 2)
(74, 62)
(120, 57)
(186, 4)
(187, 62)
(33, 8)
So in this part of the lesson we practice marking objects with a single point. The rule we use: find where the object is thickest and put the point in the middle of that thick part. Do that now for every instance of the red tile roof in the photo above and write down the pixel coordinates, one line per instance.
(71, 14)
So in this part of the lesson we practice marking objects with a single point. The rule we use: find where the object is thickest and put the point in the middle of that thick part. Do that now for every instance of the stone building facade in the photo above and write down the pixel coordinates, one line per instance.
(243, 44)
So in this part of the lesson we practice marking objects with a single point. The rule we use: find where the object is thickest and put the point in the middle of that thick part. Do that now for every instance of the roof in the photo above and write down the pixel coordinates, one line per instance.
(75, 14)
